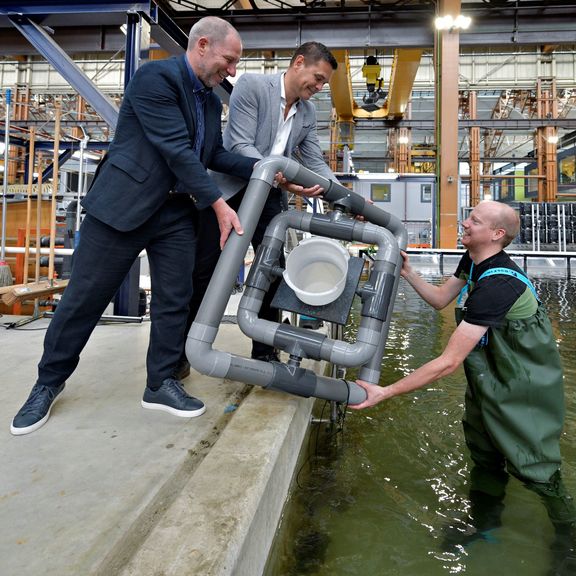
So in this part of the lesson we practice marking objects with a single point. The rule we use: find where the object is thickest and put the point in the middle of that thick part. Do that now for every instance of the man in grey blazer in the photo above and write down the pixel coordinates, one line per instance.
(269, 114)
(148, 193)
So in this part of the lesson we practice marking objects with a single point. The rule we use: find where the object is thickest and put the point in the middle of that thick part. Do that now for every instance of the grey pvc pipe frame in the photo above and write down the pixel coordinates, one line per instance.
(378, 294)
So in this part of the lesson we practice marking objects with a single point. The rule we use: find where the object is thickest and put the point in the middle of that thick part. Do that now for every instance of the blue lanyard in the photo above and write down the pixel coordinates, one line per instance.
(466, 287)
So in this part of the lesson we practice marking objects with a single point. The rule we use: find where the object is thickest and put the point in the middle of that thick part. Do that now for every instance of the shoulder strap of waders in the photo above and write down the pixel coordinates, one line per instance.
(510, 272)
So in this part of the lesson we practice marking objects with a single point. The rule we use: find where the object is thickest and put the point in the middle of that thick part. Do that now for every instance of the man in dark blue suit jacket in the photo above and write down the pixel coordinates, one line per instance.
(147, 194)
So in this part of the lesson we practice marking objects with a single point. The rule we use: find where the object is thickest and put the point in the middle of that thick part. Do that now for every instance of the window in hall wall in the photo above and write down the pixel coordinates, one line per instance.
(567, 169)
(507, 189)
(425, 193)
(380, 192)
(531, 184)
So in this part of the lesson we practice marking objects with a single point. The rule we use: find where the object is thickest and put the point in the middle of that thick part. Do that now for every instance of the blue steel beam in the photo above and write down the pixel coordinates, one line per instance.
(137, 44)
(40, 39)
(407, 26)
(65, 122)
(397, 25)
(40, 7)
(166, 32)
(49, 170)
(72, 145)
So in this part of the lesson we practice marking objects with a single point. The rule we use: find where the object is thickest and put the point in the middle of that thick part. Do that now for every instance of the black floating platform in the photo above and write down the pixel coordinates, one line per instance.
(337, 311)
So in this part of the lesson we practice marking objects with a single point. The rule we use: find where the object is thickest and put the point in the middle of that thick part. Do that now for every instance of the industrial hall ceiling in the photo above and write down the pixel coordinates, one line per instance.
(511, 50)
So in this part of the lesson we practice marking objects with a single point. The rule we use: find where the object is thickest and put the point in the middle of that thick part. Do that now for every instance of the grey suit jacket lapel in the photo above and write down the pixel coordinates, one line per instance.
(275, 96)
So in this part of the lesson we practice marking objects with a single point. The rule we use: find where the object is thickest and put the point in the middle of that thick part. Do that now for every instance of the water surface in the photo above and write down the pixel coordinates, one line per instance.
(374, 498)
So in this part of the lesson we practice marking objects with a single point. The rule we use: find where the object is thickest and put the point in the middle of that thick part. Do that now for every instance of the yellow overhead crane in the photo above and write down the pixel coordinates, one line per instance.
(404, 68)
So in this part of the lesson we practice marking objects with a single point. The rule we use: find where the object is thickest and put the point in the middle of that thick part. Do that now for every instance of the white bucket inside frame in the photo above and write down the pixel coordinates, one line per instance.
(316, 270)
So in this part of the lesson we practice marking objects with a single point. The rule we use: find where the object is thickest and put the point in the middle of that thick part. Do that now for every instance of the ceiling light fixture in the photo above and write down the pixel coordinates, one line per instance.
(451, 23)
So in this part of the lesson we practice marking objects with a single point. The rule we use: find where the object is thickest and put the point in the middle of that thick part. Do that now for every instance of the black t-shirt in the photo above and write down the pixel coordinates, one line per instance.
(492, 297)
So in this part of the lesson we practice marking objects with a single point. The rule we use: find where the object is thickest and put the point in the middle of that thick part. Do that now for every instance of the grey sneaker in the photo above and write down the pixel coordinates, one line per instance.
(172, 398)
(36, 410)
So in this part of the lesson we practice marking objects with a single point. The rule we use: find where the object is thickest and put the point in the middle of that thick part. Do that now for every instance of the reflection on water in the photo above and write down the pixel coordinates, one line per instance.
(377, 498)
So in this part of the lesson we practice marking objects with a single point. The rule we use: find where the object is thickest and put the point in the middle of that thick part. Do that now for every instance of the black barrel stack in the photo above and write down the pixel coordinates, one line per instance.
(550, 223)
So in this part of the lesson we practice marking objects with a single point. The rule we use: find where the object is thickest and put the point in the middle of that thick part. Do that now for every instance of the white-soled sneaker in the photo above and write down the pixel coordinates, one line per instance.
(172, 398)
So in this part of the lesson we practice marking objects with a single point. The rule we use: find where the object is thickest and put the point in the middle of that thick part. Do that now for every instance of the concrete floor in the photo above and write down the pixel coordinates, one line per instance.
(106, 487)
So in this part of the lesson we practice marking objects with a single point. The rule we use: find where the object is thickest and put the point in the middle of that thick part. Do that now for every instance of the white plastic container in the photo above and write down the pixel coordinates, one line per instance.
(316, 270)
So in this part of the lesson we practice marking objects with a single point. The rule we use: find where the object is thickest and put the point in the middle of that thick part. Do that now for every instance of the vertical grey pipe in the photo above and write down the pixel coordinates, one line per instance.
(204, 329)
(212, 309)
(370, 372)
(83, 144)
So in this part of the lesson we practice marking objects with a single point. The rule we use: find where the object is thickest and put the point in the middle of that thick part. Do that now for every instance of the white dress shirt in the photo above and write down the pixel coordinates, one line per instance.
(284, 125)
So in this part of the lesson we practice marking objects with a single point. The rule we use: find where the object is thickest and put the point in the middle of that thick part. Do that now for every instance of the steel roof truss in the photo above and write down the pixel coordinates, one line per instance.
(41, 40)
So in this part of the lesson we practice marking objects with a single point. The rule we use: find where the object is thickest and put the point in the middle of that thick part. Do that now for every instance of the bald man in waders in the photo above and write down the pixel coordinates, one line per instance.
(514, 408)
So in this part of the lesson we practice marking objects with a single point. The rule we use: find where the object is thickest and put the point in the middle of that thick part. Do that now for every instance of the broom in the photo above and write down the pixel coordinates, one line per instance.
(38, 225)
(5, 272)
(31, 156)
(49, 286)
(55, 169)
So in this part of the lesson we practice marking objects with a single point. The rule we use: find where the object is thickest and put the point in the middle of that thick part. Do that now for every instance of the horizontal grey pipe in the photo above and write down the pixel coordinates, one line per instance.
(334, 192)
(202, 334)
(306, 383)
(270, 375)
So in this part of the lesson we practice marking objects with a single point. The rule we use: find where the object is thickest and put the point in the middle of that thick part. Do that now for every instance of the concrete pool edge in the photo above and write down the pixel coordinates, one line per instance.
(224, 519)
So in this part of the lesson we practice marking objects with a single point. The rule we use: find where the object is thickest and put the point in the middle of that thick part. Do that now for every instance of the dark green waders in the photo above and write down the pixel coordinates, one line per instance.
(513, 421)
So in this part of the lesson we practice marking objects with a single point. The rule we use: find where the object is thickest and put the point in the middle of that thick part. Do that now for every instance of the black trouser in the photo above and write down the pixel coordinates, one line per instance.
(208, 252)
(100, 263)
